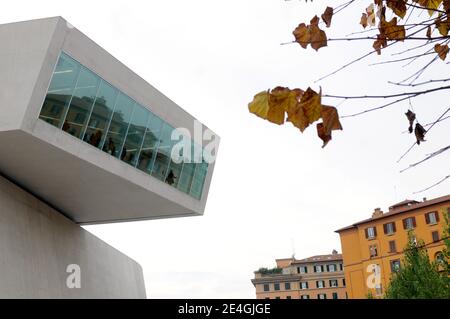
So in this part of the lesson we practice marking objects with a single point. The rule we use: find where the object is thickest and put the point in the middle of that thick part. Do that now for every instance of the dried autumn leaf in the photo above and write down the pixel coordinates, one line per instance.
(327, 15)
(370, 15)
(302, 35)
(318, 38)
(307, 111)
(411, 118)
(323, 135)
(391, 30)
(379, 43)
(441, 50)
(363, 20)
(429, 32)
(431, 5)
(442, 26)
(398, 7)
(284, 98)
(260, 107)
(419, 131)
(446, 5)
(330, 119)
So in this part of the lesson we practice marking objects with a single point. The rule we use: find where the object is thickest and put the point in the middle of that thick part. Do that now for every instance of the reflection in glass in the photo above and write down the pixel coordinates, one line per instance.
(149, 145)
(81, 103)
(118, 125)
(135, 135)
(101, 115)
(60, 90)
(162, 159)
(199, 178)
(84, 105)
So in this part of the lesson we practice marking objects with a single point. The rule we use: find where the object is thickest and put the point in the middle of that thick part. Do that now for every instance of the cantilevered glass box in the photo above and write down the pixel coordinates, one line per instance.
(86, 134)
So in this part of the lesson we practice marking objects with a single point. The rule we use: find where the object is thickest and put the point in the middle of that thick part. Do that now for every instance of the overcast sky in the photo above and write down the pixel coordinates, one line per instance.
(274, 191)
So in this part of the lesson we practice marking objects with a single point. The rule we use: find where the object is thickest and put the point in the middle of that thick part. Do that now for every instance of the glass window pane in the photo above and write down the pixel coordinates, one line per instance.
(163, 154)
(81, 103)
(101, 114)
(184, 183)
(135, 135)
(199, 179)
(60, 91)
(118, 125)
(151, 141)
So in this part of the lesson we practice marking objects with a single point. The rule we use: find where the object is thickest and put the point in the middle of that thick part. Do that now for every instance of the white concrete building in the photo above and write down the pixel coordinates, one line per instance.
(83, 136)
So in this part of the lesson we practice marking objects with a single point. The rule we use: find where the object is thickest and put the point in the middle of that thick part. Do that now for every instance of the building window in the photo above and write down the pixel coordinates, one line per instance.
(276, 287)
(333, 283)
(277, 297)
(318, 268)
(389, 228)
(432, 218)
(331, 268)
(392, 246)
(439, 257)
(320, 284)
(287, 286)
(304, 297)
(322, 296)
(435, 236)
(335, 295)
(395, 265)
(371, 232)
(84, 105)
(373, 250)
(302, 270)
(409, 223)
(341, 267)
(304, 285)
(266, 287)
(267, 298)
(343, 282)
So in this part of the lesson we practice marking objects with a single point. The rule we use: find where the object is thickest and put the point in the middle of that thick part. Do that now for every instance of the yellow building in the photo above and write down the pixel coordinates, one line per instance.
(372, 248)
(316, 277)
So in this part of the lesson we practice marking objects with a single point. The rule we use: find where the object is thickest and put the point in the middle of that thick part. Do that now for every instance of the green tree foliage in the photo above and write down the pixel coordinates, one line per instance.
(418, 278)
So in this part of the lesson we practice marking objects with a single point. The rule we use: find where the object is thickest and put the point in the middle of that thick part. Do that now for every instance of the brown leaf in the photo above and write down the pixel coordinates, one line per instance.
(330, 122)
(327, 15)
(379, 43)
(411, 118)
(419, 131)
(318, 38)
(443, 26)
(307, 111)
(429, 32)
(391, 30)
(324, 136)
(398, 7)
(363, 21)
(302, 35)
(441, 50)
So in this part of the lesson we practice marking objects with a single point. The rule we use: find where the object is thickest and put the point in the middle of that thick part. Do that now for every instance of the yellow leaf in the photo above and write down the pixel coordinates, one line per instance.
(431, 5)
(441, 50)
(327, 15)
(442, 26)
(311, 105)
(260, 104)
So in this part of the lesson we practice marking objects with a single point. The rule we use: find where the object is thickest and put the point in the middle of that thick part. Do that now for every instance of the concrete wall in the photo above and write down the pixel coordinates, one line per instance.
(37, 244)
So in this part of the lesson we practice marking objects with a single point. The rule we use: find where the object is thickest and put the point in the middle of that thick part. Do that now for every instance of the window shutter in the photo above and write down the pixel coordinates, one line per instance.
(306, 269)
(427, 218)
(414, 221)
(437, 216)
(366, 232)
(328, 268)
(404, 223)
(385, 228)
(374, 231)
(393, 227)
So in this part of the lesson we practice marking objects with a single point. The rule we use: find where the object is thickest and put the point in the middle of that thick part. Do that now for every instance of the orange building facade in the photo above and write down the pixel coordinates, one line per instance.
(317, 277)
(372, 248)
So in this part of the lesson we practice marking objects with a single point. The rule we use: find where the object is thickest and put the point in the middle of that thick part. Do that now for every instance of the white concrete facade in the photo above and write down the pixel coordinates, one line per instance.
(37, 244)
